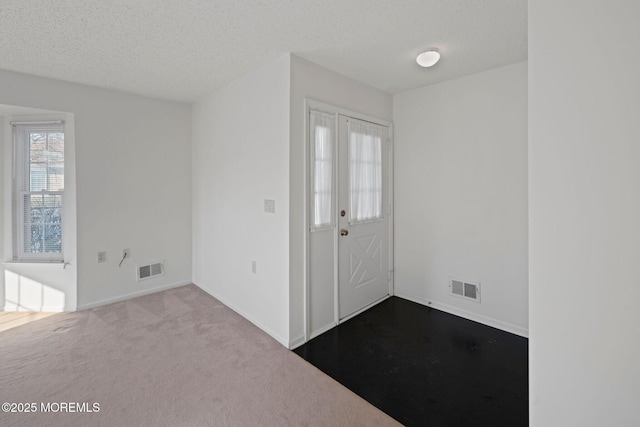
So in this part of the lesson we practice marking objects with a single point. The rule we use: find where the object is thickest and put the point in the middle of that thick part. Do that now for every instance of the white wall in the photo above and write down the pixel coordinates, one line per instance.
(309, 80)
(461, 195)
(3, 136)
(240, 158)
(248, 145)
(584, 212)
(133, 182)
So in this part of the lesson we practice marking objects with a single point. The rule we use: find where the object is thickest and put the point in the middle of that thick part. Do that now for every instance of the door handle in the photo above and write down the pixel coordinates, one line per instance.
(344, 232)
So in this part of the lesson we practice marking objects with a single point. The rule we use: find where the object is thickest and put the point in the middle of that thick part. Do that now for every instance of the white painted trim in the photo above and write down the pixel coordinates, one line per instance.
(132, 295)
(479, 318)
(393, 210)
(305, 213)
(323, 330)
(297, 342)
(15, 308)
(250, 318)
(336, 237)
(362, 310)
(310, 104)
(333, 109)
(35, 264)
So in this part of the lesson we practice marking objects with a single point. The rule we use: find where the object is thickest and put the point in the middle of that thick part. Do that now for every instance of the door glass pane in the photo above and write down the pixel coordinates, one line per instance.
(365, 171)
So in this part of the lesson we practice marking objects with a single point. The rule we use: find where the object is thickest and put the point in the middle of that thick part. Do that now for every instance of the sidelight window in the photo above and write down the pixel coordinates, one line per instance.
(322, 128)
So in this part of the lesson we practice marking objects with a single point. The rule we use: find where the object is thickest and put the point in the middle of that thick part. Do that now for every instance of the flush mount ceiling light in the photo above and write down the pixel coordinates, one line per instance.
(428, 58)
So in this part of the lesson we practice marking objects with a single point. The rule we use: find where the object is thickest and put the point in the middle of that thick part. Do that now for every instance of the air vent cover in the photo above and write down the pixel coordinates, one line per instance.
(150, 270)
(465, 289)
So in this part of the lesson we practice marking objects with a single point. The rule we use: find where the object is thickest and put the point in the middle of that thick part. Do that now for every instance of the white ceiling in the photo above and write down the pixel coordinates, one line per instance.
(184, 49)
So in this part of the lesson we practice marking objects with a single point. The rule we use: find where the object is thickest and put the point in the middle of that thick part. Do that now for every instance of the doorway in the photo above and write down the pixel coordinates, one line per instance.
(350, 239)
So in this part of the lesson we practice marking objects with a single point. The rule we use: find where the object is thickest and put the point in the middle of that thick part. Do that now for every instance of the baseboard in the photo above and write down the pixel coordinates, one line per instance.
(362, 310)
(485, 320)
(296, 342)
(267, 330)
(322, 330)
(132, 295)
(45, 309)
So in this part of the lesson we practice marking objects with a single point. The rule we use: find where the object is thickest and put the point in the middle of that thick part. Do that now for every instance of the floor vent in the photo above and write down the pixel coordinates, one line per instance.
(150, 270)
(467, 290)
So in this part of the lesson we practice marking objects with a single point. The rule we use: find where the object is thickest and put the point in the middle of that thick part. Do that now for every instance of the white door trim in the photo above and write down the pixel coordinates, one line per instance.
(310, 104)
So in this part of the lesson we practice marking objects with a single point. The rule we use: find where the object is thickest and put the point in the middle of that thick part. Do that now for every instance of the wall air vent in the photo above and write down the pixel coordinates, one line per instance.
(465, 289)
(148, 271)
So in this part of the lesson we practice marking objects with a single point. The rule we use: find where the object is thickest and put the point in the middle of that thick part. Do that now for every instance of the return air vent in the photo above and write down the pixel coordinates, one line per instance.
(464, 289)
(150, 270)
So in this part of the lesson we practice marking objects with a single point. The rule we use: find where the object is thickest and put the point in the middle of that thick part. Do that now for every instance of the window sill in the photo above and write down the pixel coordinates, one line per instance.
(37, 264)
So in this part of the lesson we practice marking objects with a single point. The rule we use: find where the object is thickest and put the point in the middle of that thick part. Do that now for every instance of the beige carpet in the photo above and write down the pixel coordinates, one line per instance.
(175, 358)
(13, 319)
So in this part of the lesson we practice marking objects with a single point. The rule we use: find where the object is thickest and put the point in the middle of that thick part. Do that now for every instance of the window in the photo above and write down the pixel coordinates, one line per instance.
(322, 128)
(365, 171)
(38, 191)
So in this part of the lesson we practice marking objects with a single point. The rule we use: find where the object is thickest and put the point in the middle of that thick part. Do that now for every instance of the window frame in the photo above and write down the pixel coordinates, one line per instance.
(21, 187)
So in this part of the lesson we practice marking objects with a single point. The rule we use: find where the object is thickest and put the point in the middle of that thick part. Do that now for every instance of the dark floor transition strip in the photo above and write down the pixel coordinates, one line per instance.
(425, 367)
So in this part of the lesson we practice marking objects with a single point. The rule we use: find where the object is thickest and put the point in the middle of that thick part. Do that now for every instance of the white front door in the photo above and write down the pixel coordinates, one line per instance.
(364, 210)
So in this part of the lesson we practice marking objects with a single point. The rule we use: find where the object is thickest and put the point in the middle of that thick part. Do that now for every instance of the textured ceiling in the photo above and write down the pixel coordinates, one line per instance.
(184, 49)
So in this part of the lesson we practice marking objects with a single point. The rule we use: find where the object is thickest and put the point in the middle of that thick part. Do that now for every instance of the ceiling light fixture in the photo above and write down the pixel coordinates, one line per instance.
(428, 58)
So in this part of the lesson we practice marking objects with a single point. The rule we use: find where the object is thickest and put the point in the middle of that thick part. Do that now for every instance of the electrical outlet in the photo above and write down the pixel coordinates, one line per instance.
(102, 256)
(253, 267)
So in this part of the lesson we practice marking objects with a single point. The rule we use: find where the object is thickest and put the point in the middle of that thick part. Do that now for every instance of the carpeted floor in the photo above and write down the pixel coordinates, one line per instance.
(174, 358)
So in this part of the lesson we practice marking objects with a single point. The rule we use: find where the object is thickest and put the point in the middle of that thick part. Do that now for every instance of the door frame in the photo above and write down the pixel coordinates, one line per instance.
(312, 104)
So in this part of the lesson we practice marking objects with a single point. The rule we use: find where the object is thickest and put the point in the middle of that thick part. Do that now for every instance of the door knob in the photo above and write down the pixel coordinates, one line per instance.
(344, 232)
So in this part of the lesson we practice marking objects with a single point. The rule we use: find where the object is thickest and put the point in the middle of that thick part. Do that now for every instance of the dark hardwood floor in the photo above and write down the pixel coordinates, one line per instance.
(425, 367)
